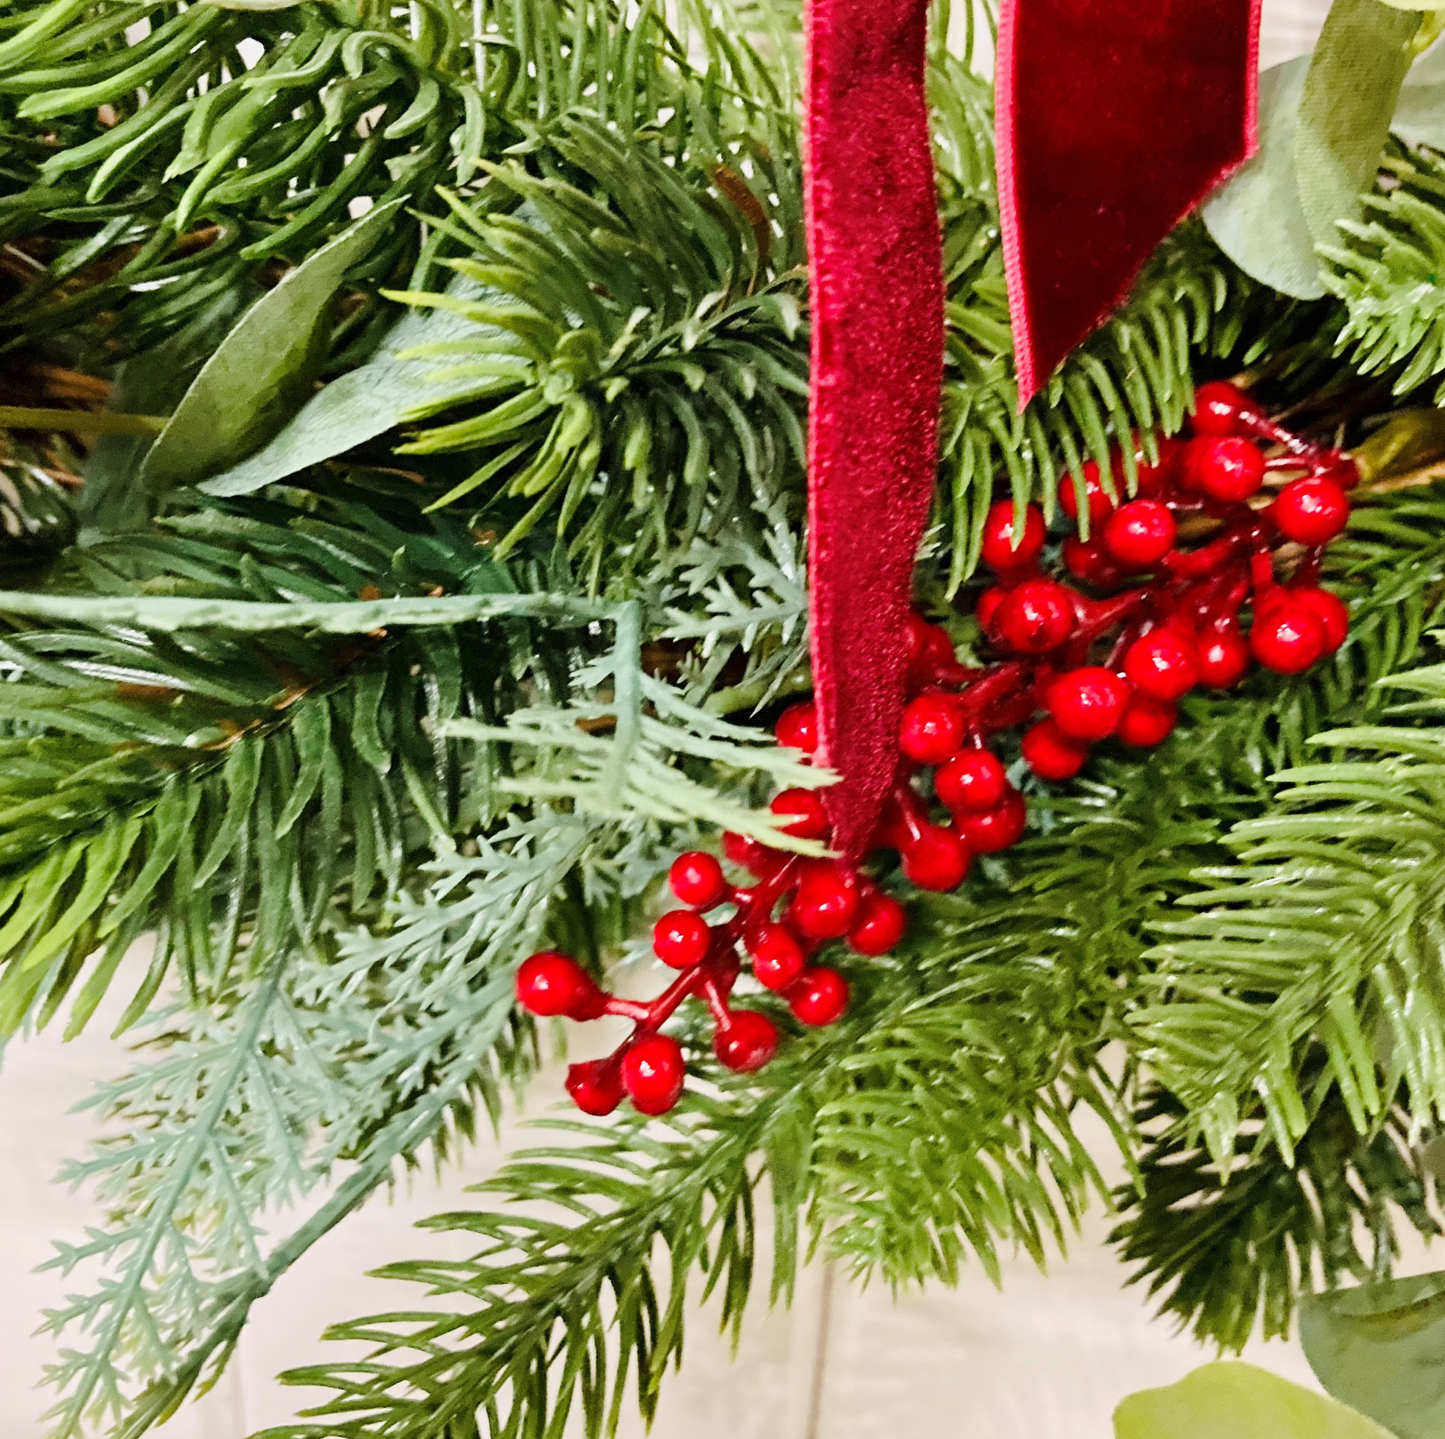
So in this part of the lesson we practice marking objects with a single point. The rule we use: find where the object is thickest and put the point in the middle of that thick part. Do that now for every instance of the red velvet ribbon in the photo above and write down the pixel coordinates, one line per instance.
(877, 366)
(1114, 120)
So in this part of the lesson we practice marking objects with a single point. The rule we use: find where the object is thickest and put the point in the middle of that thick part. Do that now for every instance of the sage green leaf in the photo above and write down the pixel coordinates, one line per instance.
(1256, 217)
(358, 405)
(1349, 98)
(252, 4)
(1381, 1348)
(264, 368)
(1420, 113)
(1237, 1401)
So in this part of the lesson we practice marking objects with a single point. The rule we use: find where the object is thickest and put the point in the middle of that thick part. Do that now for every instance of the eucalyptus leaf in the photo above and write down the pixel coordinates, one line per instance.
(1350, 92)
(358, 405)
(264, 368)
(1256, 217)
(1228, 1400)
(1381, 1348)
(1420, 113)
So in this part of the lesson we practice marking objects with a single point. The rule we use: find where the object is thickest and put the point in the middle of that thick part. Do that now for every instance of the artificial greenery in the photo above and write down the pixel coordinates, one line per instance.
(477, 617)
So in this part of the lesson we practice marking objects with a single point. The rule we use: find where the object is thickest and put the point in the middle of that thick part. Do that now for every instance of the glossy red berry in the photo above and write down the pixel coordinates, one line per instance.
(1050, 753)
(928, 645)
(881, 923)
(1219, 408)
(1330, 610)
(1287, 638)
(697, 879)
(972, 781)
(802, 813)
(818, 996)
(595, 1086)
(1086, 703)
(797, 727)
(994, 829)
(776, 954)
(1312, 510)
(1087, 560)
(998, 549)
(1033, 617)
(1140, 534)
(1101, 506)
(935, 858)
(1223, 659)
(681, 938)
(653, 1073)
(932, 728)
(551, 984)
(1151, 480)
(826, 902)
(1147, 721)
(747, 1041)
(748, 853)
(1162, 664)
(987, 607)
(1228, 468)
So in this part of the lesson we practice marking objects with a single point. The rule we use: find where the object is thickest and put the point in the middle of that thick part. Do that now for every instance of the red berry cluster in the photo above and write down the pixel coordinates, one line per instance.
(1111, 658)
(795, 905)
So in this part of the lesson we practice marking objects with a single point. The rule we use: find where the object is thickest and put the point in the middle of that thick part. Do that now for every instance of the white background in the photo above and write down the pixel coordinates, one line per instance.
(1047, 1358)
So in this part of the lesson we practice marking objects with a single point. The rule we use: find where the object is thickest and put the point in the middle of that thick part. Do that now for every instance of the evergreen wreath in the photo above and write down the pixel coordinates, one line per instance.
(402, 494)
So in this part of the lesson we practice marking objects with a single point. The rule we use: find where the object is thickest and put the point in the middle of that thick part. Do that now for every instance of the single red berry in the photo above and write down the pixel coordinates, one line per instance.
(697, 879)
(826, 902)
(987, 607)
(1312, 510)
(1087, 560)
(1086, 703)
(1034, 617)
(972, 781)
(1223, 659)
(551, 984)
(1101, 506)
(998, 547)
(595, 1086)
(1330, 610)
(653, 1072)
(1287, 638)
(818, 996)
(748, 853)
(1147, 721)
(681, 938)
(880, 925)
(1050, 753)
(1225, 467)
(1153, 480)
(1219, 408)
(928, 645)
(915, 636)
(747, 1042)
(994, 829)
(1162, 664)
(935, 858)
(1140, 534)
(797, 727)
(777, 956)
(802, 813)
(932, 728)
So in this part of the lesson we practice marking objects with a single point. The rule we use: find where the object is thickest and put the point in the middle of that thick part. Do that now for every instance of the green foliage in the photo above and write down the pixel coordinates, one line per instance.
(638, 331)
(1322, 934)
(349, 746)
(1229, 1249)
(1385, 268)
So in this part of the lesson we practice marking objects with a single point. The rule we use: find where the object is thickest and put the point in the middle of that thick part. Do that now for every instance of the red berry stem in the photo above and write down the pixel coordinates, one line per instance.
(1077, 665)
